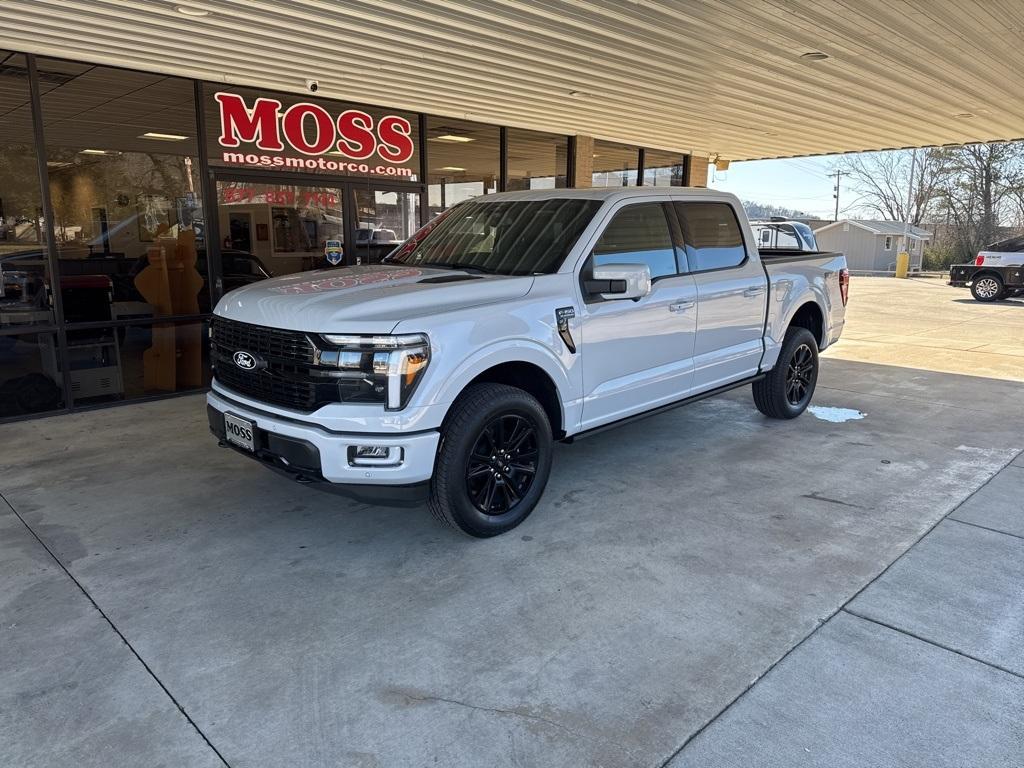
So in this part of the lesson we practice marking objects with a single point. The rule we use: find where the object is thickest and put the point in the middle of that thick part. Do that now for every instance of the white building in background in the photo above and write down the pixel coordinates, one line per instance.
(871, 246)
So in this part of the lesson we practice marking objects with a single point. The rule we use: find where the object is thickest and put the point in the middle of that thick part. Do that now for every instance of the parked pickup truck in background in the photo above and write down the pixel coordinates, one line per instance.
(996, 274)
(510, 322)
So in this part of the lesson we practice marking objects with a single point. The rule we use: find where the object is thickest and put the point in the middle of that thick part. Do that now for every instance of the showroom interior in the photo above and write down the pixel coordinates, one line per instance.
(111, 266)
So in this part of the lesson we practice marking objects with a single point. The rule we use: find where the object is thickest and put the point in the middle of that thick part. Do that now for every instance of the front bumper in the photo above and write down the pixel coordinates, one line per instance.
(310, 453)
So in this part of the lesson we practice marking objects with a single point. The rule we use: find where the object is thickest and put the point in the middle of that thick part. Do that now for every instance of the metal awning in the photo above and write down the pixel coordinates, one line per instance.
(719, 77)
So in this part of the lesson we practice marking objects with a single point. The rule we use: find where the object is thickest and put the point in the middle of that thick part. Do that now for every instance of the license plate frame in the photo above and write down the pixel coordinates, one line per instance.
(240, 432)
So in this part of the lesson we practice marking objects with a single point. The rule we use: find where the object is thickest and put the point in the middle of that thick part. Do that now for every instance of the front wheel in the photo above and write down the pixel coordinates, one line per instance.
(987, 288)
(494, 460)
(787, 389)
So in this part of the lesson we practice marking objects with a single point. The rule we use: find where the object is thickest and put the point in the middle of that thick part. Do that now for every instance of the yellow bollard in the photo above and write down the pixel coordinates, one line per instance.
(902, 264)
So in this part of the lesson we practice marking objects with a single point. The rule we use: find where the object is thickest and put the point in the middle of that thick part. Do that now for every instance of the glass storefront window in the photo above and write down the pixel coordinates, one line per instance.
(125, 186)
(536, 160)
(248, 128)
(25, 281)
(30, 375)
(664, 169)
(385, 220)
(277, 229)
(615, 165)
(158, 359)
(464, 161)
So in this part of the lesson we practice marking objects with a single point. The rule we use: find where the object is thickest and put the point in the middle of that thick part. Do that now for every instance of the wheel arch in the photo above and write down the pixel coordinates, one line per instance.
(809, 315)
(524, 365)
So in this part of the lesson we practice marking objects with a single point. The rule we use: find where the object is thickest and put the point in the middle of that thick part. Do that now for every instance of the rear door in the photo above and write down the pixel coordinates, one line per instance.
(732, 291)
(638, 354)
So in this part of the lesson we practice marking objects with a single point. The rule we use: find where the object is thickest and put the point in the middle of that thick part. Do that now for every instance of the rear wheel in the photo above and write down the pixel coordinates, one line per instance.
(494, 460)
(987, 288)
(787, 389)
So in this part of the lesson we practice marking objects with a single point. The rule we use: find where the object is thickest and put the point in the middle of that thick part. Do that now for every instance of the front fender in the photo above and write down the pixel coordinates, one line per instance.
(513, 351)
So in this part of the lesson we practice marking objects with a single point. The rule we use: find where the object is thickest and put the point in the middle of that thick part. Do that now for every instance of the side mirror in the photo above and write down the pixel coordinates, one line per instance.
(620, 281)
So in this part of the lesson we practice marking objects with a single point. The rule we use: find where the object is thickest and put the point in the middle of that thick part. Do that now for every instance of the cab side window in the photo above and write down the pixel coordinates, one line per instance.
(713, 237)
(638, 234)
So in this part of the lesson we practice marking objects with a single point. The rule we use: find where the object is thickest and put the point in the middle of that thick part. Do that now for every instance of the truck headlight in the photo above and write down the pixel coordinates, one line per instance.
(376, 369)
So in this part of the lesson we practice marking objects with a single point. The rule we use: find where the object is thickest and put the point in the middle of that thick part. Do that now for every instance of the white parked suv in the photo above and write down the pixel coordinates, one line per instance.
(511, 321)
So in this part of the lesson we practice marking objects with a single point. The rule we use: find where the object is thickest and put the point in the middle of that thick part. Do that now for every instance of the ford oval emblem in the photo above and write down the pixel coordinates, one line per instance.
(246, 361)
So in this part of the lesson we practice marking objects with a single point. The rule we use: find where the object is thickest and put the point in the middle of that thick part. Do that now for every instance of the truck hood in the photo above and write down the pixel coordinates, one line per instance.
(366, 299)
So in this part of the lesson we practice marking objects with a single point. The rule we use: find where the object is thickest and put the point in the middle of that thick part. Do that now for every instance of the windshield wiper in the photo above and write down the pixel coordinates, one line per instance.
(457, 265)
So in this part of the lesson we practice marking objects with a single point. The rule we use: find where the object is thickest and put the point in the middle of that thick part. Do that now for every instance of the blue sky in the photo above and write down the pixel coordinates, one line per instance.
(802, 183)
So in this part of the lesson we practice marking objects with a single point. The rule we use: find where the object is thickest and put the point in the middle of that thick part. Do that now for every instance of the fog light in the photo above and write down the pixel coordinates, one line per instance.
(374, 455)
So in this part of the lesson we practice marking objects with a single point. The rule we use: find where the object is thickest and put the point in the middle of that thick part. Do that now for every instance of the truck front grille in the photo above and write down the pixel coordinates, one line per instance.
(286, 374)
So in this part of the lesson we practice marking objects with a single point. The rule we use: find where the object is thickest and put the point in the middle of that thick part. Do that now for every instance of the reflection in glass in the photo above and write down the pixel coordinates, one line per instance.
(510, 237)
(30, 377)
(615, 165)
(664, 169)
(385, 220)
(464, 161)
(277, 229)
(125, 187)
(163, 358)
(536, 160)
(25, 284)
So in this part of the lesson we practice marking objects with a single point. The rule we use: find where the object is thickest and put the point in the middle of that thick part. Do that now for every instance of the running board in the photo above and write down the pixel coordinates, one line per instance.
(663, 408)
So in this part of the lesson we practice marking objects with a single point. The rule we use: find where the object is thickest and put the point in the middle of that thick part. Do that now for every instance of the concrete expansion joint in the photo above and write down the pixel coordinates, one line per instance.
(919, 638)
(117, 631)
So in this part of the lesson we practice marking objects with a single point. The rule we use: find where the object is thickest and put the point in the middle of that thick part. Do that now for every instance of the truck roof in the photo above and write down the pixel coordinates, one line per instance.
(611, 193)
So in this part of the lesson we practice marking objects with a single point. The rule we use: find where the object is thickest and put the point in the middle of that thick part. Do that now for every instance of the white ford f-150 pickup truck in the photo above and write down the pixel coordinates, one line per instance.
(508, 322)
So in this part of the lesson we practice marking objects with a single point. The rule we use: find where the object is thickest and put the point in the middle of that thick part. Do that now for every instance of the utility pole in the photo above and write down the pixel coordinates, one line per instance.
(837, 174)
(910, 202)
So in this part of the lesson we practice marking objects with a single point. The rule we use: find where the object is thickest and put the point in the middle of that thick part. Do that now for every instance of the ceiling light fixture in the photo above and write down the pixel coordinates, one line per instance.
(452, 138)
(93, 152)
(814, 56)
(963, 115)
(450, 168)
(192, 10)
(163, 136)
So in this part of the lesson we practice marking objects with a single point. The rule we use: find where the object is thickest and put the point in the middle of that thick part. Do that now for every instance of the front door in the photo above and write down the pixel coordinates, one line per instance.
(638, 353)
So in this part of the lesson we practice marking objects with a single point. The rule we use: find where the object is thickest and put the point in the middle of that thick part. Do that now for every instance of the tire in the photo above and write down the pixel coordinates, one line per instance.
(473, 489)
(787, 389)
(987, 288)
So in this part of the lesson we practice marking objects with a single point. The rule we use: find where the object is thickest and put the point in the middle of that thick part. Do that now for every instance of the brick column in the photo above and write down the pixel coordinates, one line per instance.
(698, 171)
(583, 162)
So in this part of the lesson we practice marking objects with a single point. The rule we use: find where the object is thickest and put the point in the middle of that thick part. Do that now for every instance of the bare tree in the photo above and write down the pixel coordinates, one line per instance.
(881, 180)
(983, 190)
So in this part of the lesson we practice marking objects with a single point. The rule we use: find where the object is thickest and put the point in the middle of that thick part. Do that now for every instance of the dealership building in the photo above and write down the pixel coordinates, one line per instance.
(155, 155)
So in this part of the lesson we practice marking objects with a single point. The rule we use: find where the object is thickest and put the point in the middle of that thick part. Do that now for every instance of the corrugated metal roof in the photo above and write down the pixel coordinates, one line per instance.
(719, 77)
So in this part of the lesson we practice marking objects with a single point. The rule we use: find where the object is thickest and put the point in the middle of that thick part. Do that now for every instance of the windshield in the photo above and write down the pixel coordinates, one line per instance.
(510, 237)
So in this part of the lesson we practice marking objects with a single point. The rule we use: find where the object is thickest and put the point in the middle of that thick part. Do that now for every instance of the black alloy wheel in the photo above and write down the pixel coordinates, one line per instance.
(786, 390)
(502, 464)
(799, 375)
(493, 460)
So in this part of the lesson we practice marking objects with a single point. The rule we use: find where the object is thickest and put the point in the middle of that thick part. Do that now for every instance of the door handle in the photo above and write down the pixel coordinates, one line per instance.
(680, 306)
(753, 291)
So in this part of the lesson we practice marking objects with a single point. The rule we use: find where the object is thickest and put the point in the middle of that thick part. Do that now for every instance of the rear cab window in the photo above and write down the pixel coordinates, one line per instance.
(712, 235)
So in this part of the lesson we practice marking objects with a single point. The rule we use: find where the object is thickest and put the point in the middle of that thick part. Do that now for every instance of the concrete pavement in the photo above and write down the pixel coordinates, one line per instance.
(924, 667)
(183, 606)
(923, 323)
